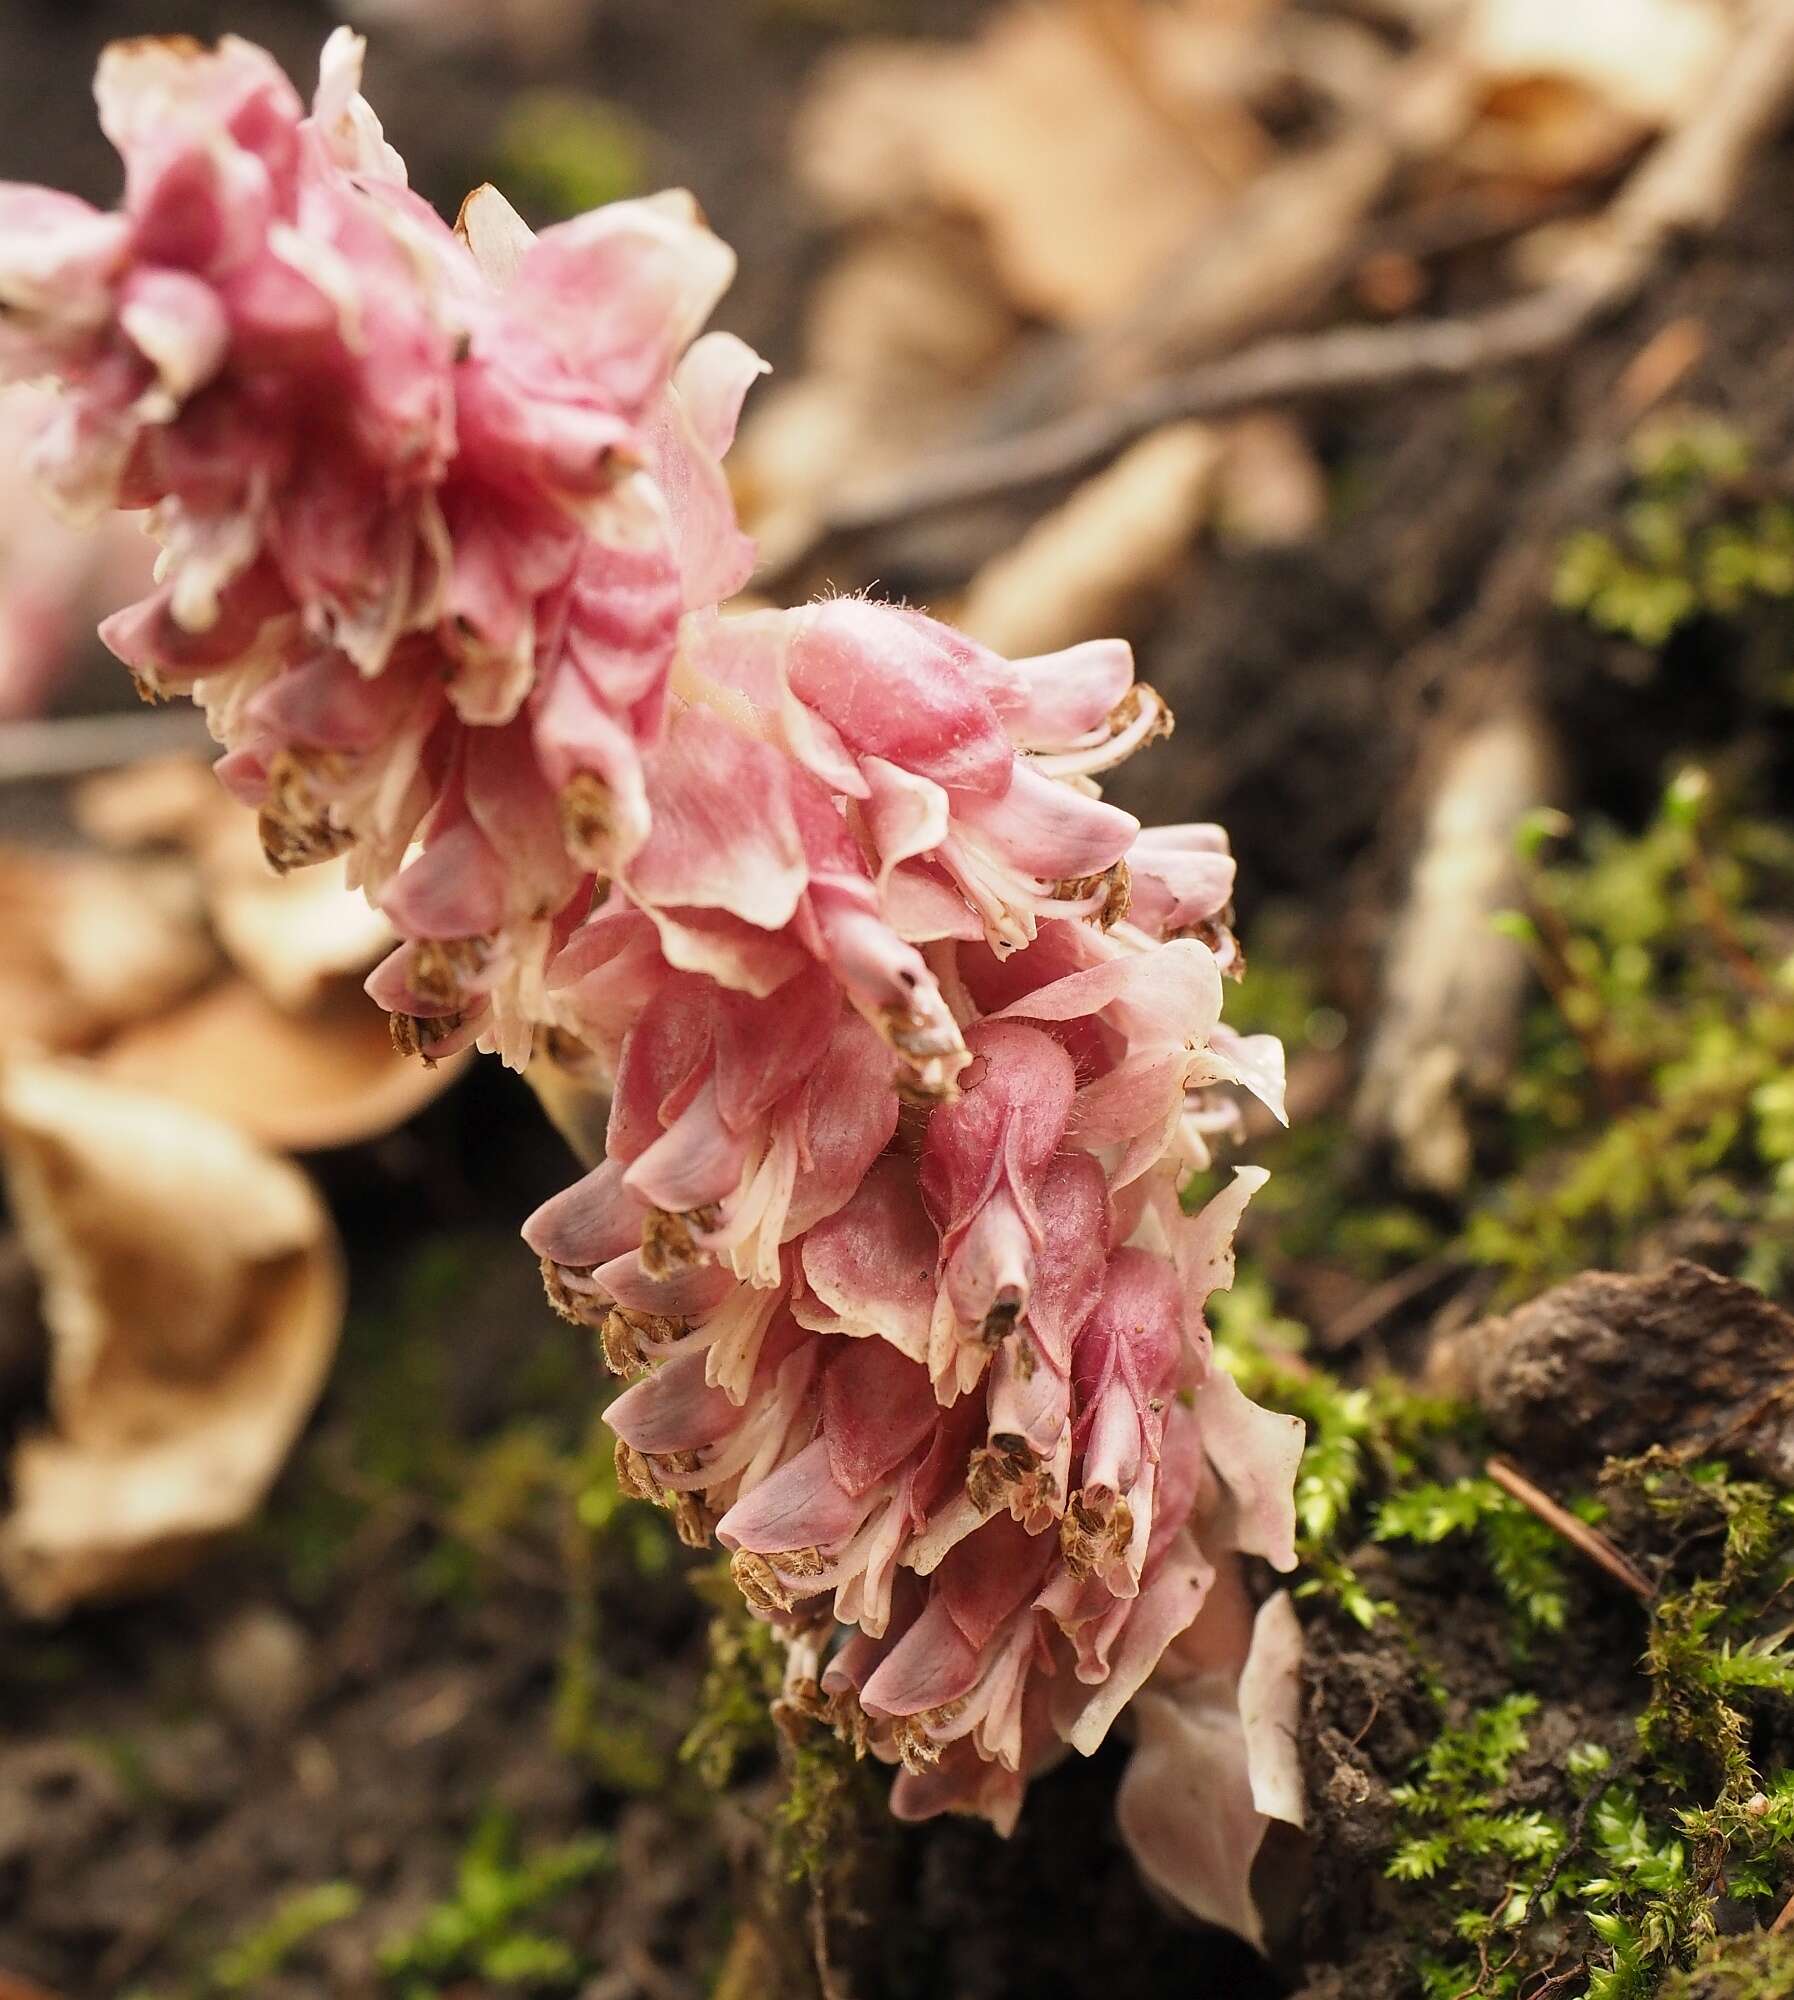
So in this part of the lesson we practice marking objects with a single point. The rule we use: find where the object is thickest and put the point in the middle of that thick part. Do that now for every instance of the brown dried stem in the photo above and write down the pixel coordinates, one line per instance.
(1590, 1541)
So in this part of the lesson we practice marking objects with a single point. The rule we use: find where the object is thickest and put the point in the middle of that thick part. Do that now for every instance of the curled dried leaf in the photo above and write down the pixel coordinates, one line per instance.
(89, 944)
(293, 934)
(297, 1082)
(193, 1292)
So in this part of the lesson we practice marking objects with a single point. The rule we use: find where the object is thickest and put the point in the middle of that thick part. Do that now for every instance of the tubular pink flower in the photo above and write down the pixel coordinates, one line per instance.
(907, 1035)
(984, 1159)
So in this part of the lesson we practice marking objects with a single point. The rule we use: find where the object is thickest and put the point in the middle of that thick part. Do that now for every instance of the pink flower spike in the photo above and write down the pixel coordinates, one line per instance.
(907, 1036)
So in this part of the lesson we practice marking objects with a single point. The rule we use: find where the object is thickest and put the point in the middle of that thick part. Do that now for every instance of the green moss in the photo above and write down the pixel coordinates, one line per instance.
(295, 1920)
(1654, 1080)
(1515, 1869)
(833, 1810)
(1748, 1968)
(563, 152)
(1524, 1556)
(734, 1727)
(1692, 538)
(485, 1929)
(1518, 1874)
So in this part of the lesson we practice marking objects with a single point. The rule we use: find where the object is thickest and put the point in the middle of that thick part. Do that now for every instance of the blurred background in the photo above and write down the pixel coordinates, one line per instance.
(1409, 380)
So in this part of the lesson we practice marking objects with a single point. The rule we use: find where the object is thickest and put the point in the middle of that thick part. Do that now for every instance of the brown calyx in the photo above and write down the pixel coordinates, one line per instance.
(626, 1335)
(578, 1308)
(1115, 886)
(668, 1246)
(1094, 1534)
(916, 1748)
(588, 822)
(1127, 710)
(421, 1034)
(932, 1057)
(294, 823)
(442, 968)
(999, 1322)
(638, 1479)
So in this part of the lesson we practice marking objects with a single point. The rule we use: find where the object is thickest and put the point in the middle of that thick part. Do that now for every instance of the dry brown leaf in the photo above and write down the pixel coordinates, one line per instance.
(901, 329)
(1085, 190)
(862, 137)
(1088, 141)
(1095, 565)
(295, 935)
(1569, 90)
(298, 1082)
(1453, 985)
(193, 1291)
(1272, 491)
(155, 802)
(89, 944)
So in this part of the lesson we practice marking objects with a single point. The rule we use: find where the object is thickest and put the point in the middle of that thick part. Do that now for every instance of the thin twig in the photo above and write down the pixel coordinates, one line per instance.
(1686, 183)
(1577, 1533)
(1784, 1917)
(71, 746)
(1372, 1308)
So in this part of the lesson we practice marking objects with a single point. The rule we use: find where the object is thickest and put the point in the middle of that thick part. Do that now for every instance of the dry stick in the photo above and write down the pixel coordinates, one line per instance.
(1784, 1917)
(1578, 1533)
(1686, 184)
(71, 746)
(1371, 1308)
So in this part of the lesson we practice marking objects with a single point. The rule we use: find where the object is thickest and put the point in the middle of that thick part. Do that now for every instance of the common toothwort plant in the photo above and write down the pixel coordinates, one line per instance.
(909, 1038)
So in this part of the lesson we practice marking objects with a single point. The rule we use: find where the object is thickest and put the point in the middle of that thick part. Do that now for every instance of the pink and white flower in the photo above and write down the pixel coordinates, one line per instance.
(907, 1035)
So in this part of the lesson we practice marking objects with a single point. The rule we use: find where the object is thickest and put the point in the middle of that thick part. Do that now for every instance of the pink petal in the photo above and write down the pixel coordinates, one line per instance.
(765, 1048)
(877, 1407)
(723, 837)
(992, 1574)
(847, 656)
(595, 1219)
(1073, 1255)
(1181, 876)
(1070, 694)
(1166, 1607)
(850, 1114)
(686, 443)
(1257, 1062)
(932, 1664)
(872, 1263)
(1215, 1767)
(178, 325)
(1255, 1454)
(696, 1162)
(620, 292)
(1046, 829)
(58, 261)
(801, 1506)
(692, 1293)
(673, 1409)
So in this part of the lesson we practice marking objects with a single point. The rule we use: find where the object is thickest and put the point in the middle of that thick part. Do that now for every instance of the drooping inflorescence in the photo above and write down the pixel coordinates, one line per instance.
(909, 1038)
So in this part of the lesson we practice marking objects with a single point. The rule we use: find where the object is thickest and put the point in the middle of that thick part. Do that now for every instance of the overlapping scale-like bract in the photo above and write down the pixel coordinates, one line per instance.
(908, 1037)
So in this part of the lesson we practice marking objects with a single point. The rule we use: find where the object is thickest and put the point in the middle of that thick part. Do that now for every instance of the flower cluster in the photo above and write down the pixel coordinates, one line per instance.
(909, 1038)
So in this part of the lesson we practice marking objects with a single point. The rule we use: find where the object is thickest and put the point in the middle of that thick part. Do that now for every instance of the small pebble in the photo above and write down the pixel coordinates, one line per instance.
(258, 1665)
